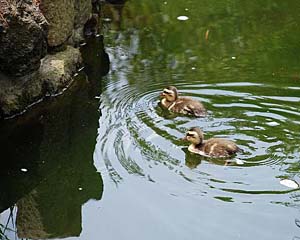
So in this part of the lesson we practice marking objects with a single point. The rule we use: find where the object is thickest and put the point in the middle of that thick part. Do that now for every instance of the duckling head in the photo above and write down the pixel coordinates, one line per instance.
(170, 94)
(194, 136)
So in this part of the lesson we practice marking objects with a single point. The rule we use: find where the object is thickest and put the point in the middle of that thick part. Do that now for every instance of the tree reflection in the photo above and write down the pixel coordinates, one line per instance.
(54, 144)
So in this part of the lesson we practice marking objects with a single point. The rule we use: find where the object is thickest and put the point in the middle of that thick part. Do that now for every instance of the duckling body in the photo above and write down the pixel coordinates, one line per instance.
(213, 147)
(183, 105)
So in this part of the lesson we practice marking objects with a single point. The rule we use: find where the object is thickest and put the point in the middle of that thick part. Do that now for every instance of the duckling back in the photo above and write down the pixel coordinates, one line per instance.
(217, 147)
(189, 106)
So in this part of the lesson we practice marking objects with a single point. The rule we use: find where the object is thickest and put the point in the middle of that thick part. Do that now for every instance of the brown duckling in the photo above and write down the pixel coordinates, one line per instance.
(184, 105)
(213, 147)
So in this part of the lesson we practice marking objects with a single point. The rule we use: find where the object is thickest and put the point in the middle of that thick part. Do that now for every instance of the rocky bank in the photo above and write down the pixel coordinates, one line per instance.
(38, 54)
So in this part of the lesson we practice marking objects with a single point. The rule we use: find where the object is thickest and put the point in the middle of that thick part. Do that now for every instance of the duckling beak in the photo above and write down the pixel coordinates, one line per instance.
(162, 94)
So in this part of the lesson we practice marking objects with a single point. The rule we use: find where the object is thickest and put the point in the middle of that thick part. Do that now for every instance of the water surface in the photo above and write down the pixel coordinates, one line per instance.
(241, 60)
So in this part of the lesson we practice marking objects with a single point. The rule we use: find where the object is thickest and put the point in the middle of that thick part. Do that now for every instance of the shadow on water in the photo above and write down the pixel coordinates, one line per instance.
(47, 169)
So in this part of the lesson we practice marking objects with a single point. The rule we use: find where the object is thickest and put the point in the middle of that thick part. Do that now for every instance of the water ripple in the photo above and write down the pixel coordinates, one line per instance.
(137, 137)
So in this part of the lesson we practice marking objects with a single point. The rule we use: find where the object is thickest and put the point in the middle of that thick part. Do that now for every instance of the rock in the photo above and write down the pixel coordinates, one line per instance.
(65, 18)
(60, 15)
(91, 26)
(57, 70)
(83, 12)
(22, 37)
(54, 74)
(30, 28)
(77, 37)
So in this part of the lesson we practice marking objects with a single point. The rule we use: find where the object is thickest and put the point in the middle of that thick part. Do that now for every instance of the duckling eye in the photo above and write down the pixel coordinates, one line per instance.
(190, 135)
(168, 93)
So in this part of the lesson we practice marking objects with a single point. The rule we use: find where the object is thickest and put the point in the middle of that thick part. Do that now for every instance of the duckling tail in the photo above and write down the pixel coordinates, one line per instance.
(239, 150)
(199, 113)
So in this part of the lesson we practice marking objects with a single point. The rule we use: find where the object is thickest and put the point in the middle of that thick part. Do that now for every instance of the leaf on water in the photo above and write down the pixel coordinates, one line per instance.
(289, 183)
(206, 34)
(182, 18)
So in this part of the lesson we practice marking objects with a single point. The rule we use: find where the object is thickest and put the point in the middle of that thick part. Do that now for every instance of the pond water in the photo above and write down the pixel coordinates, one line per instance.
(104, 161)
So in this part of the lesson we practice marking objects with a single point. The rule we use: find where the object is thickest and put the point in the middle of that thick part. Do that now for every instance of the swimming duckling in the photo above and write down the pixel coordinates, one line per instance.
(213, 147)
(184, 105)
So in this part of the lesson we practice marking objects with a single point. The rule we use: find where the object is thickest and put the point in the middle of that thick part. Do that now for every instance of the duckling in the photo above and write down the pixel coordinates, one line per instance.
(213, 147)
(184, 105)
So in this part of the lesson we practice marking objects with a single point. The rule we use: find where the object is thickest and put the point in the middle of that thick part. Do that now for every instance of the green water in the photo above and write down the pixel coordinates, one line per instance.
(103, 161)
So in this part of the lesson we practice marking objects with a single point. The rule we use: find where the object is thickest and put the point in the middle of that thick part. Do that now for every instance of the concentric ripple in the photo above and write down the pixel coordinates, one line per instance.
(138, 138)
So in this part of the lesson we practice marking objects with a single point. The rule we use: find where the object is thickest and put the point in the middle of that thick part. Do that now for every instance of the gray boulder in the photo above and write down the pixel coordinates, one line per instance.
(66, 19)
(55, 73)
(23, 34)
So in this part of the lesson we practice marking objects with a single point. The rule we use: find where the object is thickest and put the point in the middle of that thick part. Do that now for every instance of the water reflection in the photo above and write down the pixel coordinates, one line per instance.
(48, 170)
(192, 160)
(242, 72)
(113, 11)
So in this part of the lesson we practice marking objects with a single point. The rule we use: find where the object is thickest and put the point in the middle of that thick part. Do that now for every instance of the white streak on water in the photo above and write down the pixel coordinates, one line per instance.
(289, 183)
